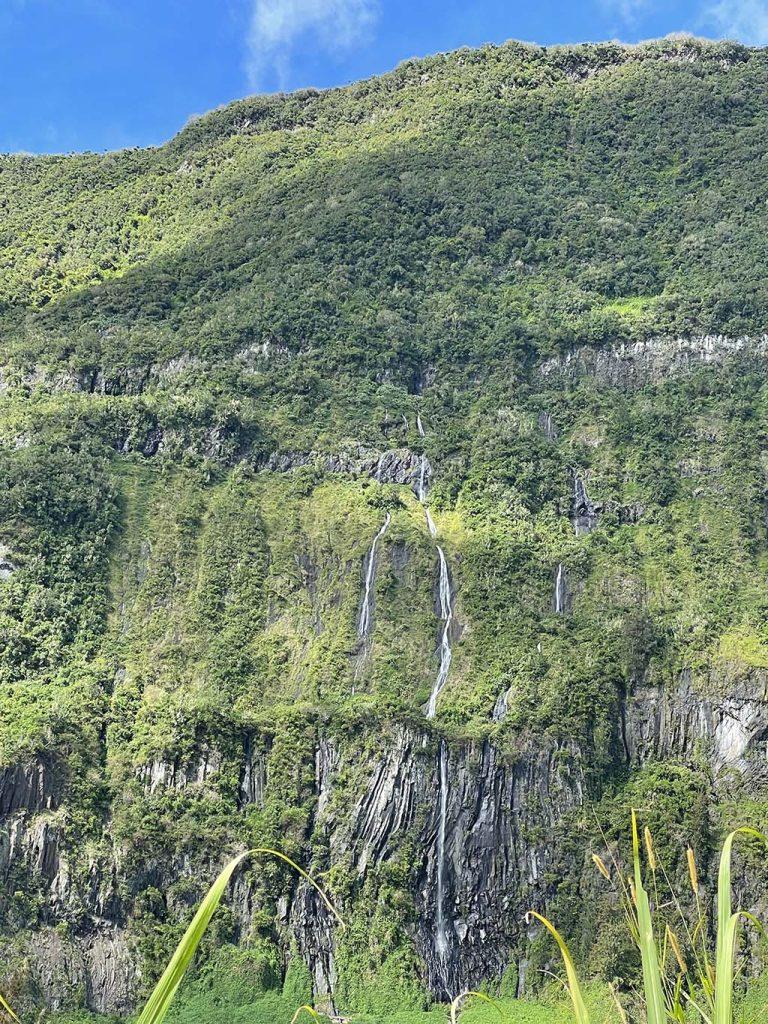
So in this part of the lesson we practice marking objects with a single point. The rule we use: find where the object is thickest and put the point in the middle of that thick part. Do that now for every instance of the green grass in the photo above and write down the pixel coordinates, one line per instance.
(274, 1008)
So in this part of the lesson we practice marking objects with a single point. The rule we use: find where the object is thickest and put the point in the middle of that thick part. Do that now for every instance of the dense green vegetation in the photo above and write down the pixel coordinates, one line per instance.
(303, 274)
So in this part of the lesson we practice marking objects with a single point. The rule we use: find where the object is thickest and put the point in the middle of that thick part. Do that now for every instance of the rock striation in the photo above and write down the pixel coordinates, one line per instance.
(502, 817)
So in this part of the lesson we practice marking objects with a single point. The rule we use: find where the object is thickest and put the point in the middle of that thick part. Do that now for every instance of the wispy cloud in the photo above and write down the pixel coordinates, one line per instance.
(278, 26)
(745, 20)
(627, 11)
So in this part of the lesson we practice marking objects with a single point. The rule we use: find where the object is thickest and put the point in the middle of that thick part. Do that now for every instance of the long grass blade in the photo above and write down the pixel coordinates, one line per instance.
(727, 931)
(469, 994)
(160, 1000)
(306, 1009)
(652, 981)
(574, 989)
(4, 1006)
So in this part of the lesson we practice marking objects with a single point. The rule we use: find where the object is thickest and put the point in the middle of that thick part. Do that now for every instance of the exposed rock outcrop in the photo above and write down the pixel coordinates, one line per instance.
(165, 775)
(501, 818)
(730, 730)
(584, 512)
(494, 871)
(101, 966)
(396, 466)
(7, 567)
(633, 365)
(28, 787)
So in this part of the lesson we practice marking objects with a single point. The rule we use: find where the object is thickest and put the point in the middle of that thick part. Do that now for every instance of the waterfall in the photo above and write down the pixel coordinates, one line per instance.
(422, 493)
(501, 707)
(443, 925)
(444, 590)
(423, 479)
(446, 614)
(431, 524)
(584, 515)
(365, 619)
(442, 937)
(561, 591)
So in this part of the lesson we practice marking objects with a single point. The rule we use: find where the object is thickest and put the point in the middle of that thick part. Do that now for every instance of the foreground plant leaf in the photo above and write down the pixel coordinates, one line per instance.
(306, 1008)
(7, 1009)
(652, 983)
(727, 930)
(574, 989)
(159, 1002)
(469, 994)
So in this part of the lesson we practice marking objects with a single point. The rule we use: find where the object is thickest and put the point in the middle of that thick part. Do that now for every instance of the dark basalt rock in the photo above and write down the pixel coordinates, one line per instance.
(27, 787)
(630, 366)
(396, 466)
(502, 818)
(584, 512)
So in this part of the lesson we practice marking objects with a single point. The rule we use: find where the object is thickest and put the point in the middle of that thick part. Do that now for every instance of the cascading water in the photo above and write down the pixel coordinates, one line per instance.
(365, 619)
(423, 482)
(443, 928)
(561, 591)
(423, 479)
(446, 614)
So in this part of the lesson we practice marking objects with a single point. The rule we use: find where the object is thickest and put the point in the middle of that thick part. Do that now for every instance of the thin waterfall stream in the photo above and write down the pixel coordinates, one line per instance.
(442, 938)
(561, 592)
(365, 619)
(446, 614)
(443, 930)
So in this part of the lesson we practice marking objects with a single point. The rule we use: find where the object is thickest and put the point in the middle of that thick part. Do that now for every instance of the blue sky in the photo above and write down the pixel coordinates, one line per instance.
(101, 74)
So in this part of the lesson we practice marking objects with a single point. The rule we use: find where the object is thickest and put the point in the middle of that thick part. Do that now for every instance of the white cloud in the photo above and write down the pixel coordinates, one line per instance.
(278, 25)
(745, 20)
(628, 11)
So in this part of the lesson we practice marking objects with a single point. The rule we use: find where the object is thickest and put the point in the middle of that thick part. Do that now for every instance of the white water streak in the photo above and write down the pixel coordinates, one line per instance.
(430, 523)
(560, 590)
(423, 481)
(445, 597)
(446, 614)
(365, 620)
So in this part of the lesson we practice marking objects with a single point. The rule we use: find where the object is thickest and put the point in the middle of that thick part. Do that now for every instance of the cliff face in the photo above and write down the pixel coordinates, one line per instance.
(501, 815)
(384, 481)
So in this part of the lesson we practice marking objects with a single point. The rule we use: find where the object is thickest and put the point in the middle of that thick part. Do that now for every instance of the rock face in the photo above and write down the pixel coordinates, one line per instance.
(584, 512)
(494, 871)
(99, 965)
(731, 730)
(501, 816)
(644, 362)
(162, 775)
(29, 787)
(397, 466)
(7, 567)
(96, 957)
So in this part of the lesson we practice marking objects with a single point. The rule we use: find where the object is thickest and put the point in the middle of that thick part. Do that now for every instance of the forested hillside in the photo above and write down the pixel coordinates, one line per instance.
(452, 383)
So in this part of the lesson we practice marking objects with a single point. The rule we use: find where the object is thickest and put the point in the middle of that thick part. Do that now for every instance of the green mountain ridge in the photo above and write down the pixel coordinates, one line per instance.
(520, 289)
